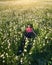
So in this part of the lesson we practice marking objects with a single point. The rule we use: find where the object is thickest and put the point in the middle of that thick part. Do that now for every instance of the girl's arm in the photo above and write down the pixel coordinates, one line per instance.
(34, 33)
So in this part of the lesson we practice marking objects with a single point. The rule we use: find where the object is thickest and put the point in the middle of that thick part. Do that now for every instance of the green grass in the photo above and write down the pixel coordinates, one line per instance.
(13, 21)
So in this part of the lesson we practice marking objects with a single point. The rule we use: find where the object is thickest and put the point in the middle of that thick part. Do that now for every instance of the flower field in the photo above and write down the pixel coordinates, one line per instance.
(12, 26)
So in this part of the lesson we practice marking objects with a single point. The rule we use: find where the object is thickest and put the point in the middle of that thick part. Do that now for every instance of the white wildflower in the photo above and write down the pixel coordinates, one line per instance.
(29, 62)
(21, 60)
(25, 50)
(2, 55)
(43, 44)
(3, 61)
(46, 37)
(30, 53)
(16, 57)
(7, 54)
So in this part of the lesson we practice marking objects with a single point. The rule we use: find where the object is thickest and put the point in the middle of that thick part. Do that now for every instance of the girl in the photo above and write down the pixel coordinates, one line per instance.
(29, 32)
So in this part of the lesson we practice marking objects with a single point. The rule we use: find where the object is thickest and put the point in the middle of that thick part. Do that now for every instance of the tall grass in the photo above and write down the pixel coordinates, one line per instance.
(12, 26)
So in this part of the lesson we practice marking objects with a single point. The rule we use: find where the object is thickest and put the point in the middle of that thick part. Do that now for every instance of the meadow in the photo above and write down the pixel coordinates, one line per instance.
(13, 20)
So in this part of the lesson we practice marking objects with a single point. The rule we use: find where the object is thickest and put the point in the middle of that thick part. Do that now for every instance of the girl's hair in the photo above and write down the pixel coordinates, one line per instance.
(30, 25)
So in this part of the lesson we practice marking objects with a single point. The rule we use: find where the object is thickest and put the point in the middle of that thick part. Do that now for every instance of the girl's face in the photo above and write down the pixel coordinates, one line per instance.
(28, 26)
